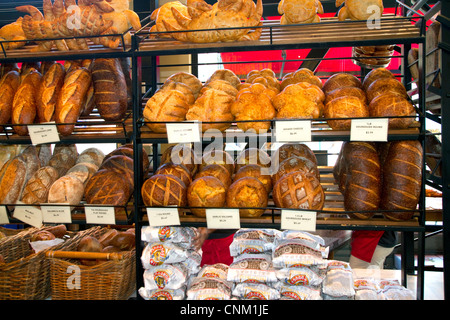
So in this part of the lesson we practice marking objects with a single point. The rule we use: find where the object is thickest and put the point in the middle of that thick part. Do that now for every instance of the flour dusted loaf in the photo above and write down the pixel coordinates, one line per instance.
(37, 188)
(67, 189)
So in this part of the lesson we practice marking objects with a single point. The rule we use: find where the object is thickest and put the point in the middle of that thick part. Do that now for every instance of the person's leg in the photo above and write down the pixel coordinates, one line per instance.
(379, 256)
(356, 263)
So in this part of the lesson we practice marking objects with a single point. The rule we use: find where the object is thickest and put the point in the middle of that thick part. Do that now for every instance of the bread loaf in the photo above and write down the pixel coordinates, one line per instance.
(107, 187)
(179, 86)
(295, 164)
(24, 107)
(128, 151)
(189, 79)
(72, 99)
(67, 189)
(122, 165)
(255, 171)
(62, 162)
(344, 107)
(216, 170)
(376, 74)
(48, 92)
(178, 170)
(339, 80)
(110, 88)
(392, 105)
(164, 190)
(205, 191)
(402, 179)
(226, 75)
(218, 157)
(301, 75)
(12, 180)
(91, 155)
(181, 154)
(346, 91)
(385, 86)
(32, 161)
(83, 171)
(288, 150)
(8, 87)
(36, 189)
(252, 156)
(247, 192)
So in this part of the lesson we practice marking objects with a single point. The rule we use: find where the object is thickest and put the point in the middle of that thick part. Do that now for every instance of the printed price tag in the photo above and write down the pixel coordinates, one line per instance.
(28, 214)
(223, 219)
(41, 134)
(369, 130)
(298, 220)
(100, 215)
(183, 132)
(3, 215)
(293, 131)
(159, 217)
(56, 214)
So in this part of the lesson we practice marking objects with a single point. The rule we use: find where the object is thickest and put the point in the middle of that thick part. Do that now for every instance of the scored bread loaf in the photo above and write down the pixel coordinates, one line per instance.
(83, 171)
(107, 187)
(393, 105)
(164, 190)
(207, 191)
(8, 87)
(247, 192)
(344, 107)
(178, 170)
(122, 165)
(110, 88)
(37, 188)
(48, 91)
(295, 164)
(216, 170)
(72, 99)
(12, 180)
(67, 189)
(402, 179)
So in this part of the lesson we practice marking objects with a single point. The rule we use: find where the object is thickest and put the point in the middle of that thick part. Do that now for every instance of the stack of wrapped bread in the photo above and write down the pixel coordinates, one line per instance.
(51, 91)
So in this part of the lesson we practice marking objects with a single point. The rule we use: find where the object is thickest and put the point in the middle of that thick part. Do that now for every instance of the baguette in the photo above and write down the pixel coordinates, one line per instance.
(48, 92)
(72, 99)
(110, 89)
(8, 87)
(24, 103)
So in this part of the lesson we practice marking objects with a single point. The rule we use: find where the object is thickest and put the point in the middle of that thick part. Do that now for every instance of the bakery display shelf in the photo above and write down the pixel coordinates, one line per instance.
(88, 129)
(329, 33)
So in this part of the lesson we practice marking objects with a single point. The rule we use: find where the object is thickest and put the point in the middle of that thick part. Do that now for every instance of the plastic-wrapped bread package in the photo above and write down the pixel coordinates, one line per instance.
(338, 283)
(252, 268)
(158, 253)
(166, 276)
(255, 291)
(393, 290)
(300, 276)
(253, 241)
(295, 252)
(366, 289)
(162, 294)
(182, 236)
(288, 292)
(210, 284)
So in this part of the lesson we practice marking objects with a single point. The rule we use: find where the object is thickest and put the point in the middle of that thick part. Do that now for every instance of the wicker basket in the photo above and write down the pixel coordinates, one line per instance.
(25, 275)
(109, 280)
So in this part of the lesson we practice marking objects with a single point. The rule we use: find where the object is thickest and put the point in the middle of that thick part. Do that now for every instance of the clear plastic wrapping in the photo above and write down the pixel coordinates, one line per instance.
(157, 253)
(162, 294)
(288, 292)
(165, 276)
(253, 241)
(299, 276)
(252, 268)
(182, 236)
(201, 288)
(255, 291)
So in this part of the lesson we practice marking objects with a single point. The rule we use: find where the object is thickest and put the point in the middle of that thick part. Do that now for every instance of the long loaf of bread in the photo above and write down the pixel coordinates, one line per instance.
(72, 99)
(8, 87)
(110, 89)
(48, 92)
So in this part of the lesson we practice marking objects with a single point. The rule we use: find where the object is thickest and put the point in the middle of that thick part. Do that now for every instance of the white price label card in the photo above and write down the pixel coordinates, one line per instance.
(183, 132)
(298, 220)
(293, 131)
(160, 217)
(56, 214)
(100, 215)
(3, 215)
(369, 129)
(223, 219)
(28, 214)
(41, 134)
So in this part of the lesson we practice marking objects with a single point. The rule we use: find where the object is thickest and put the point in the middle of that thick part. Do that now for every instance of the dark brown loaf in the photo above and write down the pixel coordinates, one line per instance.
(24, 103)
(247, 192)
(122, 165)
(402, 179)
(298, 190)
(12, 180)
(164, 190)
(48, 92)
(107, 187)
(339, 80)
(295, 164)
(206, 191)
(291, 149)
(72, 99)
(8, 87)
(110, 89)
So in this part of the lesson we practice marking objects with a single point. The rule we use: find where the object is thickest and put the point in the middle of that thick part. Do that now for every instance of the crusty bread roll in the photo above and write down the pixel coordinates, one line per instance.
(67, 189)
(344, 107)
(298, 190)
(178, 170)
(207, 191)
(385, 86)
(164, 190)
(107, 187)
(392, 105)
(247, 192)
(255, 171)
(48, 91)
(216, 170)
(218, 157)
(339, 80)
(8, 87)
(72, 99)
(12, 180)
(376, 74)
(110, 88)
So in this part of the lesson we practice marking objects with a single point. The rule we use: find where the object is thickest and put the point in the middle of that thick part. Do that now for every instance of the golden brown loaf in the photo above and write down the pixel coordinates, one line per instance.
(255, 171)
(376, 74)
(254, 103)
(389, 105)
(385, 86)
(8, 87)
(83, 171)
(339, 80)
(110, 88)
(344, 107)
(288, 150)
(24, 103)
(301, 75)
(179, 86)
(218, 157)
(358, 173)
(247, 192)
(189, 79)
(402, 179)
(165, 105)
(122, 165)
(227, 75)
(164, 190)
(48, 91)
(67, 189)
(12, 180)
(92, 155)
(265, 76)
(212, 106)
(127, 150)
(216, 170)
(207, 191)
(221, 85)
(180, 154)
(72, 99)
(295, 164)
(346, 91)
(298, 190)
(177, 170)
(107, 187)
(252, 156)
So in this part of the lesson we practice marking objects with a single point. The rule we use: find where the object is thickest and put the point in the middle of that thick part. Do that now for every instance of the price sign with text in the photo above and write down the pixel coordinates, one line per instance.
(100, 215)
(3, 215)
(29, 214)
(369, 129)
(298, 220)
(56, 214)
(223, 219)
(183, 132)
(159, 217)
(293, 131)
(41, 134)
